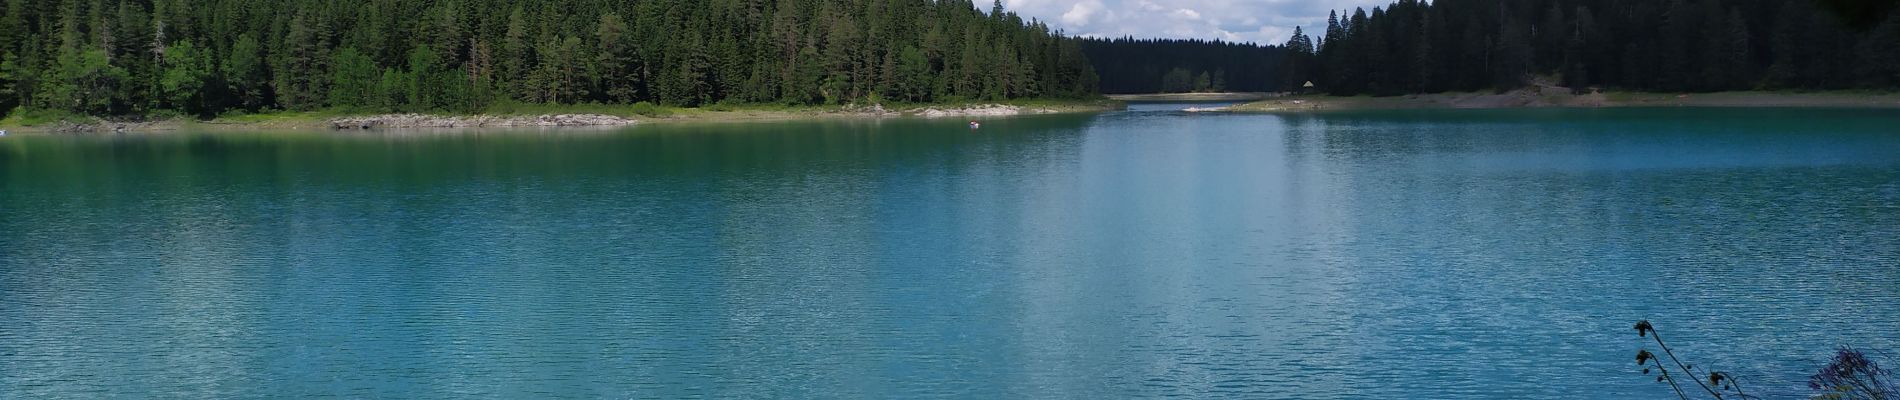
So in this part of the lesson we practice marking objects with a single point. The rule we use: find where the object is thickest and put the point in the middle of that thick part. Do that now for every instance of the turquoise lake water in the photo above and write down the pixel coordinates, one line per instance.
(1424, 254)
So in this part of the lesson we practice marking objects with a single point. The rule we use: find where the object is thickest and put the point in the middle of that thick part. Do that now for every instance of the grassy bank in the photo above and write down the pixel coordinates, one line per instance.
(1561, 97)
(47, 121)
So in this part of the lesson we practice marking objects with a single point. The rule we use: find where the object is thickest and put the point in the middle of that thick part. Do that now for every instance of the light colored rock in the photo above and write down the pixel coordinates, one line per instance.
(476, 121)
(68, 127)
(984, 110)
(873, 110)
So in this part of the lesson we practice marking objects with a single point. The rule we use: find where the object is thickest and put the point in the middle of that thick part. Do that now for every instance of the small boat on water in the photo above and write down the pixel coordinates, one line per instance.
(975, 125)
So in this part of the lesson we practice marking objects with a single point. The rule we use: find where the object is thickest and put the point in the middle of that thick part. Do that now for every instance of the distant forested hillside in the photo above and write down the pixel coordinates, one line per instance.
(1130, 65)
(1651, 45)
(206, 57)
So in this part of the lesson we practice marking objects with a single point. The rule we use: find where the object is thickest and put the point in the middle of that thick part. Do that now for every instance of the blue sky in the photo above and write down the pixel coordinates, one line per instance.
(1259, 21)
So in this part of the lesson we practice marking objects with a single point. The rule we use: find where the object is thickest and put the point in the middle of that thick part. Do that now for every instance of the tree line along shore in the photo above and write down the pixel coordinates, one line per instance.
(229, 58)
(1413, 46)
(300, 62)
(1560, 97)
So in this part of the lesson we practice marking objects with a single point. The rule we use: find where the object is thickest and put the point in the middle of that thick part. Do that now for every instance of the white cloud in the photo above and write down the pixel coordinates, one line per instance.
(1081, 13)
(1258, 21)
(1187, 14)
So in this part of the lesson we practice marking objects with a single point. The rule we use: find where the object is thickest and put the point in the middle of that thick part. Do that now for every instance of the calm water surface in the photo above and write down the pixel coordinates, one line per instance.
(1442, 255)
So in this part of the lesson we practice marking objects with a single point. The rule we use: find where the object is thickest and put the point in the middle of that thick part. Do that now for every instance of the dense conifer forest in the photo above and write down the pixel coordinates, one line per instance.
(1130, 65)
(211, 57)
(1413, 46)
(214, 57)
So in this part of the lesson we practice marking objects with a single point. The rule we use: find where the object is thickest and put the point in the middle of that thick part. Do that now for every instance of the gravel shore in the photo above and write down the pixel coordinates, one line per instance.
(399, 121)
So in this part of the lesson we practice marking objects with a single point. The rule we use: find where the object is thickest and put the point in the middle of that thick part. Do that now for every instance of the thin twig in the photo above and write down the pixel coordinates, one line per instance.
(1737, 384)
(1685, 368)
(1670, 379)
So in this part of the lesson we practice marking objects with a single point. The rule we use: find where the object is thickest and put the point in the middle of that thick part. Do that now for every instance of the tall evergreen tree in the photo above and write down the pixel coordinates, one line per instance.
(186, 78)
(618, 60)
(302, 63)
(246, 73)
(353, 80)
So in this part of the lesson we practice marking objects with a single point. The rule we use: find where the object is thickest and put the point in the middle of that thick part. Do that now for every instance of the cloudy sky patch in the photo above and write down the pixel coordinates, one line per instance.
(1258, 21)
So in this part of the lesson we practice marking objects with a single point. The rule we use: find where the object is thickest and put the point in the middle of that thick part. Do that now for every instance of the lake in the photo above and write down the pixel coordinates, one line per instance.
(1499, 254)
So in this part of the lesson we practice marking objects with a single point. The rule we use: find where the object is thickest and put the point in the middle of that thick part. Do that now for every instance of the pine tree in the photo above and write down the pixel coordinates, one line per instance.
(1741, 52)
(683, 82)
(302, 63)
(800, 85)
(133, 52)
(515, 57)
(353, 81)
(1332, 58)
(1552, 35)
(1791, 47)
(188, 72)
(1300, 52)
(13, 28)
(1579, 71)
(1427, 65)
(245, 71)
(617, 58)
(557, 78)
(842, 45)
(85, 81)
(1474, 62)
(1177, 80)
(444, 33)
(11, 88)
(395, 87)
(1881, 54)
(1514, 57)
(424, 87)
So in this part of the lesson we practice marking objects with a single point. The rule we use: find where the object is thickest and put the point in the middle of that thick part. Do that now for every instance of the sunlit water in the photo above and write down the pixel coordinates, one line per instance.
(1440, 255)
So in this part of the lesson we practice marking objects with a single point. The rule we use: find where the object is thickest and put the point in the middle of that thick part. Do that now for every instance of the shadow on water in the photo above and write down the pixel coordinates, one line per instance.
(661, 151)
(780, 259)
(1596, 138)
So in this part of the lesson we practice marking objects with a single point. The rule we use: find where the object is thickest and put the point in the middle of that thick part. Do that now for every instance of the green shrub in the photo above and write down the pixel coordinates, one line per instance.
(649, 109)
(21, 116)
(723, 105)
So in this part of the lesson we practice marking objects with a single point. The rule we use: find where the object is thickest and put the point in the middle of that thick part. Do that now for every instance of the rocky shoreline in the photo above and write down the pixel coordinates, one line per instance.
(977, 110)
(984, 110)
(68, 127)
(407, 121)
(433, 121)
(400, 121)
